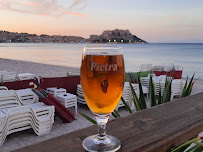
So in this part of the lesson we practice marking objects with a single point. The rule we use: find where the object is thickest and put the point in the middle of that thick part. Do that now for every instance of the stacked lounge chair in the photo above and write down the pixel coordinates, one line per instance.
(126, 96)
(80, 96)
(27, 96)
(26, 76)
(14, 116)
(6, 76)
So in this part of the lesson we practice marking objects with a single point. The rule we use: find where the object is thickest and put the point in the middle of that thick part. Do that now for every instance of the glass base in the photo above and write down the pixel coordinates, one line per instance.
(94, 144)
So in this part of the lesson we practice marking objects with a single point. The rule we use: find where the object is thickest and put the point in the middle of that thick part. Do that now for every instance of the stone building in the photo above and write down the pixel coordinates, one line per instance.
(116, 36)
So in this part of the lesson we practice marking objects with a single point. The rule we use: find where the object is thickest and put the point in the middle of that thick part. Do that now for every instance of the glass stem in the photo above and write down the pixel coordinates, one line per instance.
(101, 123)
(101, 132)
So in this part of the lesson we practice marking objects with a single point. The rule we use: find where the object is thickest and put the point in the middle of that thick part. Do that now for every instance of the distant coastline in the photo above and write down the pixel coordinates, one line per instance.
(114, 36)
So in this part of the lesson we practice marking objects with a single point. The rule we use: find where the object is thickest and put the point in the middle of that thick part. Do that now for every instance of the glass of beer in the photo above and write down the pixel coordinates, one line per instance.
(102, 80)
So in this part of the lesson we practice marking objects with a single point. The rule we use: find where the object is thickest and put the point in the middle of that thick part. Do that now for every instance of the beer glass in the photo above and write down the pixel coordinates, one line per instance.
(102, 80)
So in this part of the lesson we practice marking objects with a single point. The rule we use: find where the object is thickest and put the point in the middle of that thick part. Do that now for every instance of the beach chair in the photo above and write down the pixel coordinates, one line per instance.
(37, 116)
(8, 99)
(80, 96)
(3, 88)
(68, 100)
(56, 91)
(145, 82)
(125, 95)
(27, 96)
(157, 85)
(16, 117)
(26, 76)
(9, 77)
(176, 88)
(137, 91)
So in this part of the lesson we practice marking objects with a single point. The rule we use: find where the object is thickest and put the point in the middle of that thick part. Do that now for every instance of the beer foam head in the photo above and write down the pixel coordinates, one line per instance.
(103, 50)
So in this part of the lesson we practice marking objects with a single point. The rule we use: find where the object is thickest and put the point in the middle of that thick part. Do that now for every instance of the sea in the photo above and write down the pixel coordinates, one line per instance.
(189, 56)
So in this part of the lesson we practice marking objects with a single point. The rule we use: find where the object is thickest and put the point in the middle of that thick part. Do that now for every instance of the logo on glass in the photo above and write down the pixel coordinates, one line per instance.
(100, 67)
(104, 85)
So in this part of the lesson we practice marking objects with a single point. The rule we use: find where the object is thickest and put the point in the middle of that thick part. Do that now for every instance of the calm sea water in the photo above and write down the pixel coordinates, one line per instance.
(188, 56)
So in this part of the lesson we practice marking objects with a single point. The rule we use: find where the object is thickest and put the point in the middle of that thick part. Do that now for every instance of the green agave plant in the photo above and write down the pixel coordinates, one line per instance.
(198, 146)
(164, 97)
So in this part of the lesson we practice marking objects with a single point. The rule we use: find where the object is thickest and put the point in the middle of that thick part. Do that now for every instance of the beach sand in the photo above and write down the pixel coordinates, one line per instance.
(39, 69)
(28, 137)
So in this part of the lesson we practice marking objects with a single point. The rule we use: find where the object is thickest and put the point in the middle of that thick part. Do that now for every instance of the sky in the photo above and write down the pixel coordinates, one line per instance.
(155, 21)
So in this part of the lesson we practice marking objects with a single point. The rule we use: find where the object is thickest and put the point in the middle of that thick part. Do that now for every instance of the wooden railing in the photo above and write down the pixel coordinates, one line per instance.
(156, 129)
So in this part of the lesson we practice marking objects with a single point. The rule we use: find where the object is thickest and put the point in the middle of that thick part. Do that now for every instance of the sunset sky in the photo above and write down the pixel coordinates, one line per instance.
(151, 20)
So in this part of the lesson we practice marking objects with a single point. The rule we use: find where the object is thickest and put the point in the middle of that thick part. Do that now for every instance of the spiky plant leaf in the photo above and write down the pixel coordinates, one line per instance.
(186, 143)
(160, 97)
(117, 114)
(189, 88)
(183, 148)
(199, 143)
(135, 98)
(167, 92)
(197, 148)
(142, 99)
(192, 149)
(152, 92)
(114, 115)
(126, 105)
(166, 84)
(88, 118)
(184, 88)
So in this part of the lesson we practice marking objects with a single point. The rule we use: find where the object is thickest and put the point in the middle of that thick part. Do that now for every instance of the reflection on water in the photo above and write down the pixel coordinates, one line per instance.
(189, 56)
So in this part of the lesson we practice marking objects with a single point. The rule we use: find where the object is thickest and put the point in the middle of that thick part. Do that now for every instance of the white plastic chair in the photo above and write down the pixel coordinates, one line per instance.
(68, 100)
(126, 96)
(56, 91)
(176, 88)
(145, 82)
(80, 96)
(157, 85)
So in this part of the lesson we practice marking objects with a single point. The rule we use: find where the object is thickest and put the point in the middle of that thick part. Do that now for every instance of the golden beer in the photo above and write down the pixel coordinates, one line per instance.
(102, 80)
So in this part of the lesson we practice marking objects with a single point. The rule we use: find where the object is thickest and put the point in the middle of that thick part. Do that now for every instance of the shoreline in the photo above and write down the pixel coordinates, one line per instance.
(39, 69)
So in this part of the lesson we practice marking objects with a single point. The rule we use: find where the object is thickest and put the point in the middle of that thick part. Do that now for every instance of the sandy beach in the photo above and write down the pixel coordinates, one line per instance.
(28, 137)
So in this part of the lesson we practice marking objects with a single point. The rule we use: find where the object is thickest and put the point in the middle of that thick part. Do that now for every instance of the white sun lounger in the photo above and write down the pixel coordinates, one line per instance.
(16, 117)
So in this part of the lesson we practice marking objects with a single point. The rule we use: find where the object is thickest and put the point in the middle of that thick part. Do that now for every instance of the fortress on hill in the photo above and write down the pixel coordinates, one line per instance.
(115, 36)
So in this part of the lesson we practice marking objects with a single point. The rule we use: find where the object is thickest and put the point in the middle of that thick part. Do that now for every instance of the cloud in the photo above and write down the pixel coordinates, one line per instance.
(52, 8)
